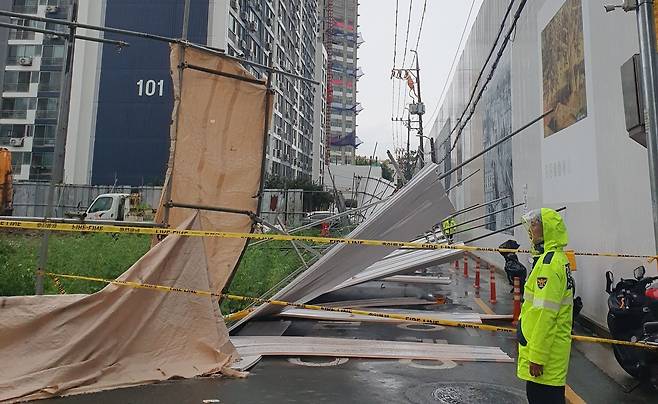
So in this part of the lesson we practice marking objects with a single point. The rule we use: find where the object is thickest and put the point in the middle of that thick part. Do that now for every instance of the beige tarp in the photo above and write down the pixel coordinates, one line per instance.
(119, 336)
(217, 139)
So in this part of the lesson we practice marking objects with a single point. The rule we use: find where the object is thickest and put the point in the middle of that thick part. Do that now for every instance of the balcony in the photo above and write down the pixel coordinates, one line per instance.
(52, 62)
(9, 114)
(49, 87)
(22, 35)
(16, 87)
(33, 9)
(46, 114)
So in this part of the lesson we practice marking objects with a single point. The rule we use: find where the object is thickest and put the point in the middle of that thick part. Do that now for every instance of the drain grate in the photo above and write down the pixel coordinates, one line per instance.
(465, 393)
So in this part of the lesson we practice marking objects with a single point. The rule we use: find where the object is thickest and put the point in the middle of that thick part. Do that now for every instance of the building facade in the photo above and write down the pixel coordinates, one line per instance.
(320, 114)
(121, 100)
(581, 157)
(31, 65)
(342, 40)
(285, 34)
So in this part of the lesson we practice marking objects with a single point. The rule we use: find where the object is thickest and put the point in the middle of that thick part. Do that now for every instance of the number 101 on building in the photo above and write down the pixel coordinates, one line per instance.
(149, 88)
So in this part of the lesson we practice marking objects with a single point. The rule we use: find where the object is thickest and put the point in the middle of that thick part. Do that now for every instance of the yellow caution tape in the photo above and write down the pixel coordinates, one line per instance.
(238, 315)
(99, 228)
(415, 319)
(58, 284)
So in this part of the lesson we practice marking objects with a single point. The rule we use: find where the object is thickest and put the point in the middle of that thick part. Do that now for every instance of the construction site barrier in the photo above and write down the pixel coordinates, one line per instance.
(423, 320)
(477, 273)
(492, 284)
(98, 228)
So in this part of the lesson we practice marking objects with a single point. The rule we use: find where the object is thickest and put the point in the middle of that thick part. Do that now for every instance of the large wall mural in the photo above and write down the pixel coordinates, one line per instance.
(563, 68)
(496, 124)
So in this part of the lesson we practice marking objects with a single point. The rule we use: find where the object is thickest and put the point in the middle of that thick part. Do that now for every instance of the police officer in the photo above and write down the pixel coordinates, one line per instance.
(544, 328)
(448, 227)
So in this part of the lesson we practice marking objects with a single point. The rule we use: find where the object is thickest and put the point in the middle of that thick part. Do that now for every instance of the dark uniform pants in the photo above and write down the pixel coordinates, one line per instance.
(542, 393)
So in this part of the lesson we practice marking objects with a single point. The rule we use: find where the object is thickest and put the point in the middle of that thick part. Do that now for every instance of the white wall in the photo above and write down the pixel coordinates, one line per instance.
(603, 177)
(84, 97)
(218, 23)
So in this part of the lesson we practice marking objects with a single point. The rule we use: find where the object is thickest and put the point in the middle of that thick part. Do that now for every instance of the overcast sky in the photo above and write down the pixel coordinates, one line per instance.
(444, 23)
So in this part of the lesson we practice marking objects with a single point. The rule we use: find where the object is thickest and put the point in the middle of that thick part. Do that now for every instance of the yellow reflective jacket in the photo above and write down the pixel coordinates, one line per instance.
(544, 328)
(449, 226)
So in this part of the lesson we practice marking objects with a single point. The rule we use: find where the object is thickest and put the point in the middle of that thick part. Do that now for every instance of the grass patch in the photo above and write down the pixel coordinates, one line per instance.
(101, 255)
(108, 256)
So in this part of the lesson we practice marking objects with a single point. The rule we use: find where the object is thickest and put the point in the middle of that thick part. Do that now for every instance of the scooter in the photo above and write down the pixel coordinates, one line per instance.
(633, 316)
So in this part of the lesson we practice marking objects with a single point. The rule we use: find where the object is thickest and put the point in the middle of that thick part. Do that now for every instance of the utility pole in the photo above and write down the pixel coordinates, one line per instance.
(419, 110)
(186, 20)
(647, 36)
(167, 185)
(57, 173)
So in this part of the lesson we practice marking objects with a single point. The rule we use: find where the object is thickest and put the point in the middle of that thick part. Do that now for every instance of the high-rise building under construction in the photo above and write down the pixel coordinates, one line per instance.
(342, 40)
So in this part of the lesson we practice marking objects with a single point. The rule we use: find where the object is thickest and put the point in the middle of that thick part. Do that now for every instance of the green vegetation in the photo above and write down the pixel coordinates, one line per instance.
(101, 255)
(107, 256)
(315, 197)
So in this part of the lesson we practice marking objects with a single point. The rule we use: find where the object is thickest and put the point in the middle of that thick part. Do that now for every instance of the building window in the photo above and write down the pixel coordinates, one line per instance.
(16, 81)
(44, 135)
(53, 55)
(47, 108)
(16, 108)
(42, 164)
(18, 159)
(25, 6)
(23, 35)
(22, 54)
(50, 81)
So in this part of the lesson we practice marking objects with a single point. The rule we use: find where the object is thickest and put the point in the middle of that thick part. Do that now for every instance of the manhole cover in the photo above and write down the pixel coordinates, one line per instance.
(465, 392)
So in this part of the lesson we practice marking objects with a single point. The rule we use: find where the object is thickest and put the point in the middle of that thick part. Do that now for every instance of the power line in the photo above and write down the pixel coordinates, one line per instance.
(406, 40)
(461, 124)
(420, 28)
(454, 61)
(395, 40)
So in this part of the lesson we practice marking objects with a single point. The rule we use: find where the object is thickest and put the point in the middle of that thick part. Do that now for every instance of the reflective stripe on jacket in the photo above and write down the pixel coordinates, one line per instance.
(547, 311)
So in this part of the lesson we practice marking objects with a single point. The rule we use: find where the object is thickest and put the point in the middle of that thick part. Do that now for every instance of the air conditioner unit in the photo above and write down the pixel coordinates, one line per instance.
(268, 21)
(52, 9)
(16, 141)
(244, 16)
(25, 61)
(251, 26)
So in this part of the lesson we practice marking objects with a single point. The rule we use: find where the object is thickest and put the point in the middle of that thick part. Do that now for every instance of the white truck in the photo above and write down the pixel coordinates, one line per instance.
(120, 207)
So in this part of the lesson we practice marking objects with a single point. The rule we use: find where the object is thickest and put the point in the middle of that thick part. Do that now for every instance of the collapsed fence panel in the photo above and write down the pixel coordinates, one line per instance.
(216, 154)
(414, 208)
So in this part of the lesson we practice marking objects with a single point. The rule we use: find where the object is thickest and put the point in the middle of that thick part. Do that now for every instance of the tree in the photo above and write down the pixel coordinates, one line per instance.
(364, 161)
(315, 197)
(407, 162)
(387, 172)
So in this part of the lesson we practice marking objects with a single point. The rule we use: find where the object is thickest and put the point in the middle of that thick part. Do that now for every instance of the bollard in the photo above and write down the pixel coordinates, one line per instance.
(477, 273)
(517, 300)
(492, 285)
(465, 266)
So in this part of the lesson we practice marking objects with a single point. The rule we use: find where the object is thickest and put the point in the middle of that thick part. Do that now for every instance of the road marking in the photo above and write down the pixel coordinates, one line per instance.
(572, 397)
(485, 307)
